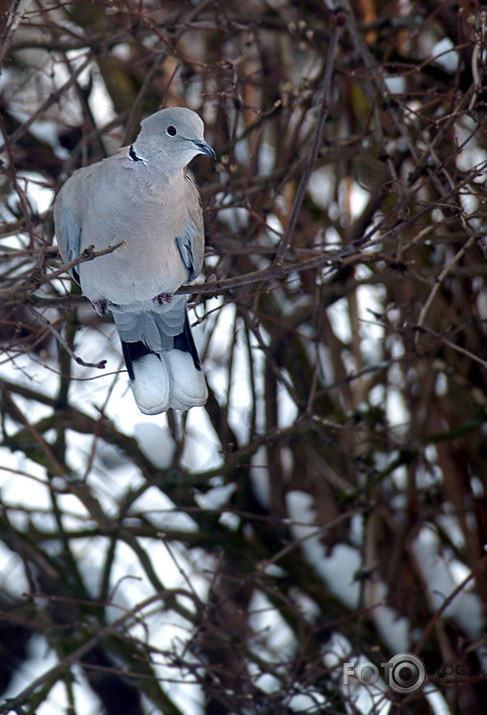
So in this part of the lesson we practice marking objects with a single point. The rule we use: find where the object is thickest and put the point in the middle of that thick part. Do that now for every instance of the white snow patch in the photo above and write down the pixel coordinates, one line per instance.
(338, 569)
(442, 576)
(156, 443)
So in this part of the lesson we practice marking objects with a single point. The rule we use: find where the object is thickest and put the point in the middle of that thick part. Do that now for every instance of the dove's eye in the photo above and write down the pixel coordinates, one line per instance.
(171, 131)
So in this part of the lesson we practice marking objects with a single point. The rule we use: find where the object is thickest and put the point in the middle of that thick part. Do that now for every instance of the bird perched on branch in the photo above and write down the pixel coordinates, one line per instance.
(141, 201)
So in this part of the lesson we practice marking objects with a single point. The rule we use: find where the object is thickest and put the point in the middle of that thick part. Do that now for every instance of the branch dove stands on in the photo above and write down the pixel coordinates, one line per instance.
(141, 196)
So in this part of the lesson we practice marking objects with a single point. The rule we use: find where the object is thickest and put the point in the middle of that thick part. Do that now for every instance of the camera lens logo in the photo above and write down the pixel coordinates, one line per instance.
(405, 673)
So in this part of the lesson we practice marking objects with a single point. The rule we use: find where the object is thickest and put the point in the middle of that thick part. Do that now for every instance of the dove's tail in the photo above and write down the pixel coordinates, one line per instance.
(168, 377)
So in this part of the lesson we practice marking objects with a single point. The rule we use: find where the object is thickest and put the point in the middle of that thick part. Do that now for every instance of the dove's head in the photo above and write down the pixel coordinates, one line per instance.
(172, 136)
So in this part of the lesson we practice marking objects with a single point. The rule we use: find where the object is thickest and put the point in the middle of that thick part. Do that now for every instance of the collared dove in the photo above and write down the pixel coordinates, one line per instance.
(141, 196)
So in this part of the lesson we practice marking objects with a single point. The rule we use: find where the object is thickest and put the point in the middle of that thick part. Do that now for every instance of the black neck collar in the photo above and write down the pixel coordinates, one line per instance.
(133, 154)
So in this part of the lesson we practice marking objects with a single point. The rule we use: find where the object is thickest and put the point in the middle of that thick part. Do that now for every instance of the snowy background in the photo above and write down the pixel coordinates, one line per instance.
(328, 505)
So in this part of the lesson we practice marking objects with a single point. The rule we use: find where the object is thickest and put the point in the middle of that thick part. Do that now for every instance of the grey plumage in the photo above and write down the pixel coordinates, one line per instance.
(142, 197)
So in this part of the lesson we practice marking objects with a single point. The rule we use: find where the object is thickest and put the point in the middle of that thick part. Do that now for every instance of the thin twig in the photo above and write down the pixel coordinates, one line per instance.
(53, 98)
(323, 113)
(99, 365)
(451, 345)
(437, 285)
(89, 254)
(67, 662)
(17, 294)
(447, 602)
(12, 21)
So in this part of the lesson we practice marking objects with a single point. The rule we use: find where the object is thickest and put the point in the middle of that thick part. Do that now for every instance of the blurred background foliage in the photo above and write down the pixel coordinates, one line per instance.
(329, 502)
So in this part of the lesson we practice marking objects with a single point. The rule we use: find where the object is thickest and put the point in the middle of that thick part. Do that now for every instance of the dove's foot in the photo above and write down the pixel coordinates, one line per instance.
(162, 298)
(100, 306)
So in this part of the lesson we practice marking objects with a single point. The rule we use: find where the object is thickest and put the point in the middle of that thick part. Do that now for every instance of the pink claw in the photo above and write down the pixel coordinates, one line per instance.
(100, 306)
(162, 298)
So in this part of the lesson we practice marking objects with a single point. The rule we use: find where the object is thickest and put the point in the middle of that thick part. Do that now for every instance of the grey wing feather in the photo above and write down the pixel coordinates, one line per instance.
(184, 243)
(68, 233)
(190, 241)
